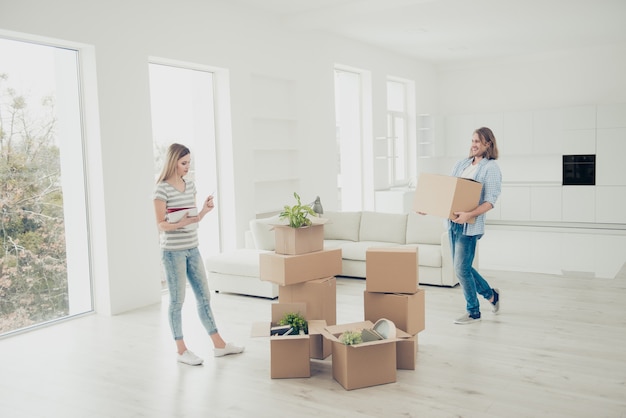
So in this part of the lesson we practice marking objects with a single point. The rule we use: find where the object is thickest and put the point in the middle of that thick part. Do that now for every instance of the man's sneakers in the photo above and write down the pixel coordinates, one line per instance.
(229, 349)
(468, 319)
(189, 358)
(496, 300)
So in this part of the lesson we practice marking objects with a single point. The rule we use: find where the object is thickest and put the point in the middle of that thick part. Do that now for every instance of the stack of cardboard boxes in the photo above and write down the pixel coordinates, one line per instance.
(306, 274)
(392, 292)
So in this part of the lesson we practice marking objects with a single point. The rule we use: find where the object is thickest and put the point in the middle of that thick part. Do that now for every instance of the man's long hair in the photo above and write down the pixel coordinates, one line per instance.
(489, 139)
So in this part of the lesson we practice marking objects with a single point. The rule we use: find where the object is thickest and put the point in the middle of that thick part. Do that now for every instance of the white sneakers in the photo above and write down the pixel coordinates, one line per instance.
(229, 349)
(467, 319)
(189, 358)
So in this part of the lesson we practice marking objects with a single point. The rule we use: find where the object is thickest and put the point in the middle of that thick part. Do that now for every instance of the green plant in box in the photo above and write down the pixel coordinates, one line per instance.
(351, 338)
(297, 214)
(295, 321)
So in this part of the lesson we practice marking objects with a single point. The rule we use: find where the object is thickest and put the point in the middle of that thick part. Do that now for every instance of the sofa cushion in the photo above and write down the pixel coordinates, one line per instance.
(424, 229)
(329, 244)
(241, 262)
(358, 250)
(428, 255)
(263, 233)
(342, 225)
(383, 227)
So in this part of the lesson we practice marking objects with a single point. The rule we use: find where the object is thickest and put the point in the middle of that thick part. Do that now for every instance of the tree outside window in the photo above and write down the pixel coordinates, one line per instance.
(34, 285)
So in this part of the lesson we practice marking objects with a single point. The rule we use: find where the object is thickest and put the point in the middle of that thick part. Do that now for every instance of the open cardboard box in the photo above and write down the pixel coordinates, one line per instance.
(306, 239)
(362, 365)
(289, 354)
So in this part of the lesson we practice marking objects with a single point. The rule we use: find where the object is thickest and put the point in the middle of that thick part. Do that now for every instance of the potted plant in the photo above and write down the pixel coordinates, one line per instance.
(298, 214)
(295, 321)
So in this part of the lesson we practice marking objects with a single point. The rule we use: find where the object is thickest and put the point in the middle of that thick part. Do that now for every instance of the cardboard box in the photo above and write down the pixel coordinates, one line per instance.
(290, 354)
(299, 240)
(363, 365)
(441, 195)
(392, 270)
(406, 352)
(320, 296)
(320, 347)
(290, 269)
(290, 357)
(406, 311)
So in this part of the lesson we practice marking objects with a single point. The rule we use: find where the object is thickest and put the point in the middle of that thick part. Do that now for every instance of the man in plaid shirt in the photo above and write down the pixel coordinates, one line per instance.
(481, 166)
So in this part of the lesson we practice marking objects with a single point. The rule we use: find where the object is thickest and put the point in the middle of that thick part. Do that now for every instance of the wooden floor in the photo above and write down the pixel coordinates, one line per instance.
(557, 349)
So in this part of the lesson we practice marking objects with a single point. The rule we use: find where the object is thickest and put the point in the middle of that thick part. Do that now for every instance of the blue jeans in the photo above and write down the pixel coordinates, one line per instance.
(180, 266)
(463, 250)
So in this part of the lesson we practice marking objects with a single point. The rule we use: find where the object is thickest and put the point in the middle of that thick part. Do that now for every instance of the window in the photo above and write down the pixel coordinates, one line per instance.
(397, 133)
(45, 272)
(353, 132)
(182, 107)
(190, 104)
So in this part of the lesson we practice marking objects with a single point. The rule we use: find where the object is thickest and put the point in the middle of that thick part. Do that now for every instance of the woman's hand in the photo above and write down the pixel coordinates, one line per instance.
(187, 220)
(207, 206)
(209, 203)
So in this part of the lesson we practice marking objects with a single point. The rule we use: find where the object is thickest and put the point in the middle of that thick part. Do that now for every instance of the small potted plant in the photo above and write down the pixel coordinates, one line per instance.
(298, 214)
(351, 338)
(300, 234)
(296, 321)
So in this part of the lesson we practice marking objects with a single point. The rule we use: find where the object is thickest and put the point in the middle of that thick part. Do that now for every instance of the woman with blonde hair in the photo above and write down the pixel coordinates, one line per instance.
(177, 219)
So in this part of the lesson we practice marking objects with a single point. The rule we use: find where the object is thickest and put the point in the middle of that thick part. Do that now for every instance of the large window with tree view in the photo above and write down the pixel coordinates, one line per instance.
(44, 252)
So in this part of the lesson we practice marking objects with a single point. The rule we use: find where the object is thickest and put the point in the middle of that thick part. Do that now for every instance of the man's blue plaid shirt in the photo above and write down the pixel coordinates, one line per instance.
(488, 173)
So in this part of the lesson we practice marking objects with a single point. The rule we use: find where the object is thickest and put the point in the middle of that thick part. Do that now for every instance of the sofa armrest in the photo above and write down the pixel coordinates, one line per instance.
(448, 276)
(248, 240)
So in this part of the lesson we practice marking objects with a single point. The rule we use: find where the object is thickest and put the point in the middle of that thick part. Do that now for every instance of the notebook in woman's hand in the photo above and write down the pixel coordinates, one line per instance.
(176, 214)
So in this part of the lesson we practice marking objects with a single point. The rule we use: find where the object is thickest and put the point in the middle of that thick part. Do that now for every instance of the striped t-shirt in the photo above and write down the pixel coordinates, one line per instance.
(183, 238)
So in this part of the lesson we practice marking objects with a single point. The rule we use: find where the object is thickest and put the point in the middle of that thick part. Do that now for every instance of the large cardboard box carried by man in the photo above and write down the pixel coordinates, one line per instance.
(441, 195)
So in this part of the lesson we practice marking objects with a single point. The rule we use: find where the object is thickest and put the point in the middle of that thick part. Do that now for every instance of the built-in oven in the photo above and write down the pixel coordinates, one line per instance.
(579, 170)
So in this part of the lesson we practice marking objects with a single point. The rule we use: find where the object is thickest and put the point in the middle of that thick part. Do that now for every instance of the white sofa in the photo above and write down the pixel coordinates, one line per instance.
(237, 271)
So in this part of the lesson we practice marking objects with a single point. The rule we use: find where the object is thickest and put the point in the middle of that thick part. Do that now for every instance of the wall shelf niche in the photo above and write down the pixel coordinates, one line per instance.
(275, 143)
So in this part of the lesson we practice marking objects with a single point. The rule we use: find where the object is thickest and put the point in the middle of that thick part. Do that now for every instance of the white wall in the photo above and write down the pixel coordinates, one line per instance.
(124, 34)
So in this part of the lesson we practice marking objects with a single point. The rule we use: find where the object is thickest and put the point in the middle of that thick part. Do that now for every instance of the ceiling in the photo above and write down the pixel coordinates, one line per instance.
(449, 31)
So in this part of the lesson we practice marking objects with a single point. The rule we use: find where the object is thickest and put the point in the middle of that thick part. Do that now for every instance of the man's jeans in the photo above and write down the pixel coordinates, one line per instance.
(463, 250)
(180, 266)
